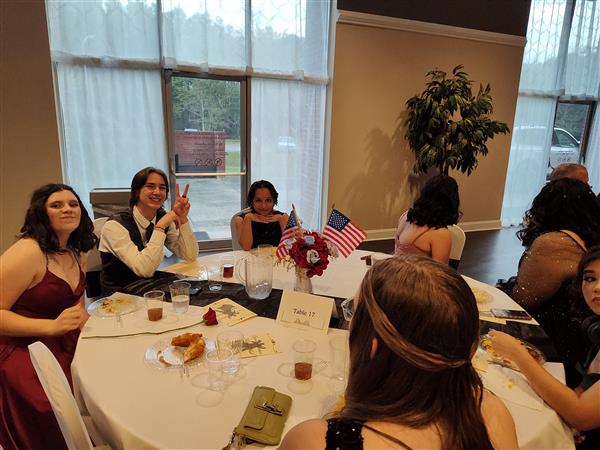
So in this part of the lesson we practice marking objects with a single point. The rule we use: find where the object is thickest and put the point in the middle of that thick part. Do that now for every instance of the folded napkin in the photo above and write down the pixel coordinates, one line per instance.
(190, 269)
(230, 312)
(137, 323)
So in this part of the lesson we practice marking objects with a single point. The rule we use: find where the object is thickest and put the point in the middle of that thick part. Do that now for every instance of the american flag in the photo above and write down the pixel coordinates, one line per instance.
(288, 232)
(343, 233)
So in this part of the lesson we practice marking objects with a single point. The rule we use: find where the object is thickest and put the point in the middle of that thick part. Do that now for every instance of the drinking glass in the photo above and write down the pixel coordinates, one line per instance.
(304, 354)
(180, 296)
(339, 361)
(154, 304)
(214, 278)
(216, 361)
(234, 341)
(227, 264)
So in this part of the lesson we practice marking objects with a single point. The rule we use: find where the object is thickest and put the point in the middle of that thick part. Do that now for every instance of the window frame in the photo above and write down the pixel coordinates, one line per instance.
(583, 145)
(245, 153)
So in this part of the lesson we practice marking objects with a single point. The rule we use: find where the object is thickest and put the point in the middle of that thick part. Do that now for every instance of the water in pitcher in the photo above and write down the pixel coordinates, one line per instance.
(260, 290)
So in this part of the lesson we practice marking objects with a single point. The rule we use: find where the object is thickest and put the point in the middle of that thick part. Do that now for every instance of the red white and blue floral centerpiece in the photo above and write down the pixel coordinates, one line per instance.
(306, 251)
(309, 254)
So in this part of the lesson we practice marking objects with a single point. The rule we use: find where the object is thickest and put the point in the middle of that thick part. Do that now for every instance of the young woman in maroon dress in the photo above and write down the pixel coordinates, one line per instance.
(42, 280)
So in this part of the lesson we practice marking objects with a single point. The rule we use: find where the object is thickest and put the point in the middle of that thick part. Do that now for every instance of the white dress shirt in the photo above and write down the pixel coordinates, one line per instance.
(115, 239)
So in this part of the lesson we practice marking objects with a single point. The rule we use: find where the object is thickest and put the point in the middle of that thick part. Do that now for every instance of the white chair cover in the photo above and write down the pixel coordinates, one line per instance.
(61, 399)
(235, 238)
(458, 244)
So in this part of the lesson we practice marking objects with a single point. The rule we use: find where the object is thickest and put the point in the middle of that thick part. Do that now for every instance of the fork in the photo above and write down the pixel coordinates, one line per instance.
(184, 369)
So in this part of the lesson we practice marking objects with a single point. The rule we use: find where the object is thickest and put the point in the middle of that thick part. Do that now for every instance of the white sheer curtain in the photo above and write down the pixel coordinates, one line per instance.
(109, 133)
(287, 148)
(561, 59)
(109, 56)
(529, 151)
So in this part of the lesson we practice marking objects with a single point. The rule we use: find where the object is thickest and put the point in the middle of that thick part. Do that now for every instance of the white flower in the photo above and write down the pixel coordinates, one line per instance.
(288, 243)
(332, 248)
(312, 256)
(309, 240)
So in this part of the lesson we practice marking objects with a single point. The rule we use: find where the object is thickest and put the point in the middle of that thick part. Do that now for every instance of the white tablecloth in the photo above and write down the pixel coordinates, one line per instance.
(138, 406)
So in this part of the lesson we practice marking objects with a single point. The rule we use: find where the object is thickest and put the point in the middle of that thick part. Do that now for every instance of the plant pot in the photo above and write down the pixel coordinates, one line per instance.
(302, 283)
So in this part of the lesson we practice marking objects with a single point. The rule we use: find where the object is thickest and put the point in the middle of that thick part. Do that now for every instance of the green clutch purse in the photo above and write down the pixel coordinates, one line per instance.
(264, 418)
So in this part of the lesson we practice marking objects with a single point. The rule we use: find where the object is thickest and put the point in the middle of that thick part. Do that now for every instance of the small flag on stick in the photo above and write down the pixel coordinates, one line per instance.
(343, 233)
(290, 229)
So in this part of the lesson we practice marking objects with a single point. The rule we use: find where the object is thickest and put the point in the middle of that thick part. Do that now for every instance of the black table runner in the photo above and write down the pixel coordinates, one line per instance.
(267, 307)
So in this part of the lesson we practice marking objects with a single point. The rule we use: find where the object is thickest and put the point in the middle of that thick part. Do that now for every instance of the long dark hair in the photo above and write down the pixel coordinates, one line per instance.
(37, 225)
(437, 204)
(563, 204)
(139, 180)
(258, 185)
(426, 322)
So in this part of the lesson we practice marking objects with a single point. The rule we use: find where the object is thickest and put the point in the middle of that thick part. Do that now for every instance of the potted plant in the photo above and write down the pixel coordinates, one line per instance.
(447, 126)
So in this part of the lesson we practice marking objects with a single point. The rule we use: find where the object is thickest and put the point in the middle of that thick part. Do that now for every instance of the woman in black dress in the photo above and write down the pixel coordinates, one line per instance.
(262, 224)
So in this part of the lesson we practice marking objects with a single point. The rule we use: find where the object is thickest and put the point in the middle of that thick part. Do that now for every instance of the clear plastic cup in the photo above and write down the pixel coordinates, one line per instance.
(304, 355)
(216, 361)
(180, 296)
(154, 305)
(233, 341)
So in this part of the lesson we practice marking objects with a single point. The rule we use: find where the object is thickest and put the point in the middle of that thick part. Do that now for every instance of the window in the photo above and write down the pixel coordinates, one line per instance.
(206, 118)
(135, 80)
(556, 120)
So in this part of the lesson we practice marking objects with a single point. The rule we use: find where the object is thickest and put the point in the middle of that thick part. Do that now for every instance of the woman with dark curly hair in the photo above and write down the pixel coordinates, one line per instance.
(263, 224)
(411, 383)
(564, 220)
(423, 229)
(42, 279)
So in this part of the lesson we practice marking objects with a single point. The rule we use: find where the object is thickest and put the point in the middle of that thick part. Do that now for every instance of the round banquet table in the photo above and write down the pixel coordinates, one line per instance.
(135, 405)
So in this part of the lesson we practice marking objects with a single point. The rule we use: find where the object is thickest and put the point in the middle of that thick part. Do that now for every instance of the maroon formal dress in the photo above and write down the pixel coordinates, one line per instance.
(26, 417)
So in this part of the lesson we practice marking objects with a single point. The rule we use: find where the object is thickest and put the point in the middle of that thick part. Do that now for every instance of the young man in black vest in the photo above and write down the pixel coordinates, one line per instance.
(132, 242)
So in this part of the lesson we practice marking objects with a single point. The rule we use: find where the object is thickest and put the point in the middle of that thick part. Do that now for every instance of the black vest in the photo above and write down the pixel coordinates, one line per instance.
(115, 274)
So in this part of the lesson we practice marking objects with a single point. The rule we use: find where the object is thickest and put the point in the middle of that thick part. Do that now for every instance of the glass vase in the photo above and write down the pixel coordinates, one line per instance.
(302, 283)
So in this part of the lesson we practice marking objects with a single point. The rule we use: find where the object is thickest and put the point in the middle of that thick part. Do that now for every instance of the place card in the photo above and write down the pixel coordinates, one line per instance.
(230, 312)
(305, 311)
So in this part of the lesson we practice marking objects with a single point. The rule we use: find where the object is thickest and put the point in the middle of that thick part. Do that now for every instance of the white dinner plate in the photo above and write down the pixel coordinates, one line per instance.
(115, 304)
(163, 355)
(485, 345)
(481, 295)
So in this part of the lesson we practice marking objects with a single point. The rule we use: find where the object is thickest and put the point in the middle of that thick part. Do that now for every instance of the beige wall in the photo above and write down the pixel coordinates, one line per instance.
(29, 148)
(375, 71)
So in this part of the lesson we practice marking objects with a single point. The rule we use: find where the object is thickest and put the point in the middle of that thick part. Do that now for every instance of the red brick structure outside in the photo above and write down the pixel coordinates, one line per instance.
(200, 151)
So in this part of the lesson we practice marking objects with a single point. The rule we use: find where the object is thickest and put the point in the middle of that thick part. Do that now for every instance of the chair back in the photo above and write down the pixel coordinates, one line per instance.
(235, 238)
(57, 389)
(458, 244)
(94, 263)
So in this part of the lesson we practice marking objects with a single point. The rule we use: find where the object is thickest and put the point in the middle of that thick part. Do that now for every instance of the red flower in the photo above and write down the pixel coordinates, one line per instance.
(309, 251)
(210, 317)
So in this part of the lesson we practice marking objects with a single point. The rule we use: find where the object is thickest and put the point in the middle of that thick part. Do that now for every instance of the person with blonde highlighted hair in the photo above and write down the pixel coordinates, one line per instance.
(411, 384)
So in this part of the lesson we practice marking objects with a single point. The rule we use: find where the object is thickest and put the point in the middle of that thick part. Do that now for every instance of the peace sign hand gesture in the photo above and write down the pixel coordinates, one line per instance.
(182, 204)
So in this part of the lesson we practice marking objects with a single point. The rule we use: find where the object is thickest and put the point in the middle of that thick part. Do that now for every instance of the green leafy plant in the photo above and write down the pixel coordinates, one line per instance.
(447, 126)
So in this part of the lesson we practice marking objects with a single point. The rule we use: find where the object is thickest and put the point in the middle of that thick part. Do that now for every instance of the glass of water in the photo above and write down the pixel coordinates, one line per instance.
(180, 296)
